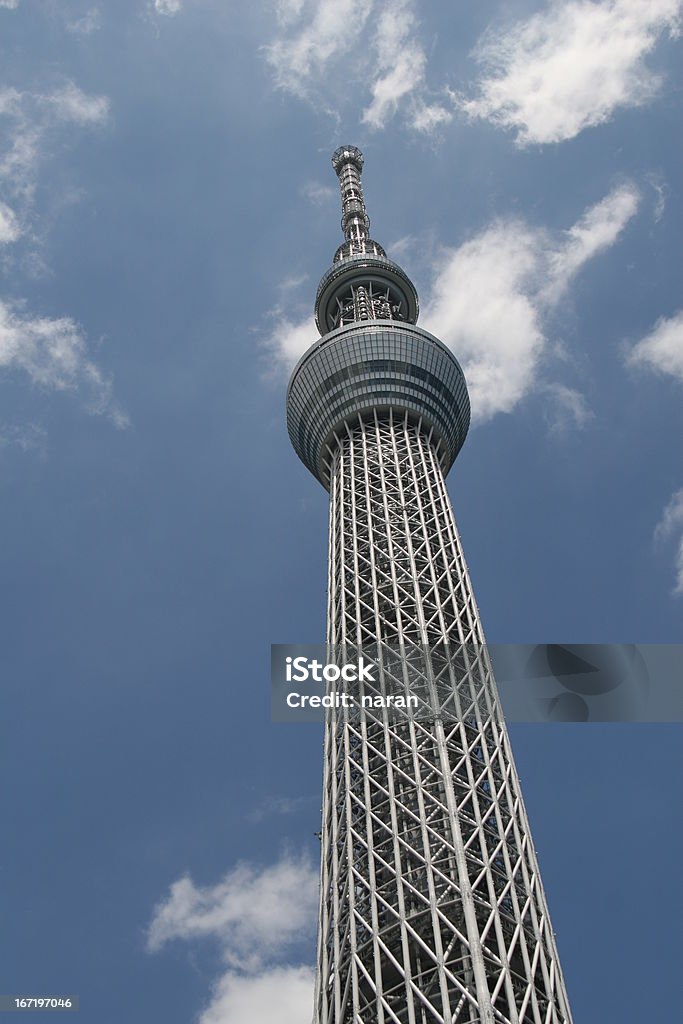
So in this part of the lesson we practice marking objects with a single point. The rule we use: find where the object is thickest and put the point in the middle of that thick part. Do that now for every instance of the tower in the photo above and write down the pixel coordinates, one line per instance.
(431, 902)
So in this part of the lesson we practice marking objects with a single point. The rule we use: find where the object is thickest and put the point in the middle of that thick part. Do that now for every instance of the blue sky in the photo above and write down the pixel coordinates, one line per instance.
(167, 207)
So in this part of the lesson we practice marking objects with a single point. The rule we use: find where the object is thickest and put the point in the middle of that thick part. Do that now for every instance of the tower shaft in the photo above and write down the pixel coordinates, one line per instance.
(431, 904)
(432, 909)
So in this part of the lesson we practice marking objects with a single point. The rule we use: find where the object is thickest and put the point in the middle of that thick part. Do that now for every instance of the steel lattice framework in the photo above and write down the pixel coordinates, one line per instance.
(432, 907)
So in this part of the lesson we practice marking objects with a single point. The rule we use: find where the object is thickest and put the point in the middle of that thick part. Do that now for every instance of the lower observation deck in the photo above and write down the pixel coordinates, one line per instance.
(375, 365)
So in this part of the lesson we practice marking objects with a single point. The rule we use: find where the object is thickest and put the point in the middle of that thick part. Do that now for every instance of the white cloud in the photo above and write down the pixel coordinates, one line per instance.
(327, 28)
(661, 190)
(20, 159)
(71, 104)
(491, 296)
(482, 306)
(426, 117)
(400, 62)
(10, 4)
(10, 100)
(284, 994)
(277, 805)
(53, 352)
(289, 339)
(292, 283)
(32, 118)
(566, 408)
(85, 25)
(670, 527)
(595, 231)
(26, 436)
(257, 916)
(9, 225)
(319, 194)
(570, 66)
(287, 11)
(662, 348)
(332, 50)
(167, 6)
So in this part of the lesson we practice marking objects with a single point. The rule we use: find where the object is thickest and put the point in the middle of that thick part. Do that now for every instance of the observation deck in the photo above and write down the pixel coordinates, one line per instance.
(371, 358)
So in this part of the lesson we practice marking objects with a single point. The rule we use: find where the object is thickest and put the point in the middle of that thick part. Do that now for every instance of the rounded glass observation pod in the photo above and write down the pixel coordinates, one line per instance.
(377, 365)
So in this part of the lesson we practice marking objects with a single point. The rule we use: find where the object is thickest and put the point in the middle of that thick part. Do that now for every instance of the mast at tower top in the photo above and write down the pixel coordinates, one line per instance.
(348, 164)
(362, 283)
(355, 223)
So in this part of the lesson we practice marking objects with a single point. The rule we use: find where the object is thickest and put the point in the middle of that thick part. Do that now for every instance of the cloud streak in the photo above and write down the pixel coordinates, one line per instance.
(670, 528)
(325, 30)
(53, 353)
(273, 805)
(400, 62)
(9, 225)
(570, 67)
(32, 118)
(168, 7)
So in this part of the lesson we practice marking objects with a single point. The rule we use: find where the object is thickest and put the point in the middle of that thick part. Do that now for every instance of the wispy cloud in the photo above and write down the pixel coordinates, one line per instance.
(257, 916)
(52, 352)
(287, 11)
(86, 24)
(662, 349)
(32, 118)
(566, 409)
(9, 225)
(327, 48)
(319, 194)
(670, 528)
(662, 191)
(570, 66)
(70, 103)
(316, 32)
(29, 437)
(277, 805)
(400, 62)
(292, 283)
(491, 297)
(54, 355)
(10, 4)
(169, 7)
(595, 231)
(428, 117)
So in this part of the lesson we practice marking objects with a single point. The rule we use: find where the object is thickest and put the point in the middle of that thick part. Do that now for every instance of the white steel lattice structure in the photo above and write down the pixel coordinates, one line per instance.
(432, 907)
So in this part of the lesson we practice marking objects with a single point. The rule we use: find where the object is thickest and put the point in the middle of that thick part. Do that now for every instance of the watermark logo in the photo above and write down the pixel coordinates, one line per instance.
(474, 682)
(302, 669)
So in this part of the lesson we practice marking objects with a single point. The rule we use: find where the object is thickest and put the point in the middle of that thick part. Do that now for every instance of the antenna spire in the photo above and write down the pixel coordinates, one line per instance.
(355, 223)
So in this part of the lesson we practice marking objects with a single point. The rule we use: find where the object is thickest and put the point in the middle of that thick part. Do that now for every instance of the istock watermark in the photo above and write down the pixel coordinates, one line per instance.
(302, 669)
(522, 682)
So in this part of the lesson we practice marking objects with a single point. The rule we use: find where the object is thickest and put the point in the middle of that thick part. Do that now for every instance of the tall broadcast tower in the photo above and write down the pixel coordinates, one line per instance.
(431, 902)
